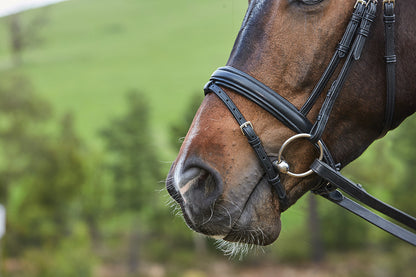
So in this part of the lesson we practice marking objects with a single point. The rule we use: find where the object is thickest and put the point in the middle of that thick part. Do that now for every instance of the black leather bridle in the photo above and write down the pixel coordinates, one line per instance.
(349, 49)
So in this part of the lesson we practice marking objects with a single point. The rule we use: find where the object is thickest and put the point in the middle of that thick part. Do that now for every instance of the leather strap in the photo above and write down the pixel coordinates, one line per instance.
(389, 19)
(346, 203)
(273, 177)
(331, 175)
(364, 30)
(341, 51)
(356, 191)
(355, 53)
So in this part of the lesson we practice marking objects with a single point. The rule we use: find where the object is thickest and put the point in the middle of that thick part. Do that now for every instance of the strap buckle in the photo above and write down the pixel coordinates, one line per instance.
(389, 2)
(363, 2)
(245, 125)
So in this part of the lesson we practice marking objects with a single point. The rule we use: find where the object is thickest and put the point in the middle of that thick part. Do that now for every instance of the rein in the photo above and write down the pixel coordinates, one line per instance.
(350, 49)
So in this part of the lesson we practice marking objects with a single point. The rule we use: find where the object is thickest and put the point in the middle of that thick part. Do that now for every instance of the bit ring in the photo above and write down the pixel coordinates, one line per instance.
(283, 166)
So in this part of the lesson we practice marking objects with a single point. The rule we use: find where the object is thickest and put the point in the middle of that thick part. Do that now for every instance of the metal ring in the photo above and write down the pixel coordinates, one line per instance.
(285, 144)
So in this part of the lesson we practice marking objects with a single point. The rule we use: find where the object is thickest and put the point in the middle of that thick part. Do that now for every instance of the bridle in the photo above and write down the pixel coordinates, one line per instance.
(349, 49)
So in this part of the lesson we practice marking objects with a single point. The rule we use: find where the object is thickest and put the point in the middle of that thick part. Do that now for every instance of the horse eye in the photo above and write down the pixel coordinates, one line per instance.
(310, 2)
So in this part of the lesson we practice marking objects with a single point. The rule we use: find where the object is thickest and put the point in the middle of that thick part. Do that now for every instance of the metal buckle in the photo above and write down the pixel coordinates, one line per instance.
(244, 125)
(324, 188)
(283, 166)
(389, 1)
(363, 2)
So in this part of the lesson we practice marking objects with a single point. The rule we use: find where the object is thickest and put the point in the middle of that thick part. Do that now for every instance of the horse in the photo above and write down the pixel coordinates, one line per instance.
(284, 46)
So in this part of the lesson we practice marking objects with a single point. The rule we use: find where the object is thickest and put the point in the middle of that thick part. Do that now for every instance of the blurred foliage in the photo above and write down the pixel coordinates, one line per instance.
(403, 144)
(40, 174)
(179, 128)
(133, 158)
(72, 256)
(64, 201)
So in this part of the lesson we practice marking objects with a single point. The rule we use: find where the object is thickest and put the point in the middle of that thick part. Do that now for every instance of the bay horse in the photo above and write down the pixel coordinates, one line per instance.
(282, 49)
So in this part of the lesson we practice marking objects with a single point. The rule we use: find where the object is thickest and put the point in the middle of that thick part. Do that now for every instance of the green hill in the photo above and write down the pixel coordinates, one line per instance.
(92, 52)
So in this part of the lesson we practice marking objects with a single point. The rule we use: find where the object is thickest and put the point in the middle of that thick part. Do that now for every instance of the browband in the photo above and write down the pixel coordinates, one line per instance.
(263, 96)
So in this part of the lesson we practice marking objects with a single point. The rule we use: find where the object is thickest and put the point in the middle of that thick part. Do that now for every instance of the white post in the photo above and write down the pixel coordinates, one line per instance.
(2, 232)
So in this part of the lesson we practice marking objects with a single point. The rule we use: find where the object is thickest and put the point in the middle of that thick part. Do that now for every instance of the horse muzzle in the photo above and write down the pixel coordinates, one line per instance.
(198, 190)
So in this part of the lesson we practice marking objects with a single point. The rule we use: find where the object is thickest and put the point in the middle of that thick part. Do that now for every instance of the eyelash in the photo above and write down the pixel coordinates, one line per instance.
(310, 2)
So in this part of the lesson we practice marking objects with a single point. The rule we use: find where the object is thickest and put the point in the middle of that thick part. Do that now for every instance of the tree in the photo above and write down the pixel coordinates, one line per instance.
(135, 171)
(23, 35)
(40, 173)
(20, 112)
(133, 160)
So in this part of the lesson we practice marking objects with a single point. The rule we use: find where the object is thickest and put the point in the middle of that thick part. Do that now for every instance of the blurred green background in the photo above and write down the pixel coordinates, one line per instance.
(94, 98)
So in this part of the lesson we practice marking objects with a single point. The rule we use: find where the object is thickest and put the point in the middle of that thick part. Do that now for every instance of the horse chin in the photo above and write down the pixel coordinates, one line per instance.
(259, 222)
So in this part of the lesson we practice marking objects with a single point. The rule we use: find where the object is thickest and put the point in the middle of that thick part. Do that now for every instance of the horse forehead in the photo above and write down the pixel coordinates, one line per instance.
(286, 22)
(287, 12)
(275, 33)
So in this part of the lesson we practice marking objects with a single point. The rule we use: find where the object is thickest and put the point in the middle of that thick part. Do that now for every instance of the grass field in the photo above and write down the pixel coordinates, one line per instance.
(92, 52)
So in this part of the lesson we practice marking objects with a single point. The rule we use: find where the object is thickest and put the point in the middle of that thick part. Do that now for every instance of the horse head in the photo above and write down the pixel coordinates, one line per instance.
(285, 44)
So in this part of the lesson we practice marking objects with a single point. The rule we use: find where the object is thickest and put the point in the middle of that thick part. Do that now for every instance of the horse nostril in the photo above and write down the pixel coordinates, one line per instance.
(187, 176)
(195, 183)
(210, 184)
(200, 191)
